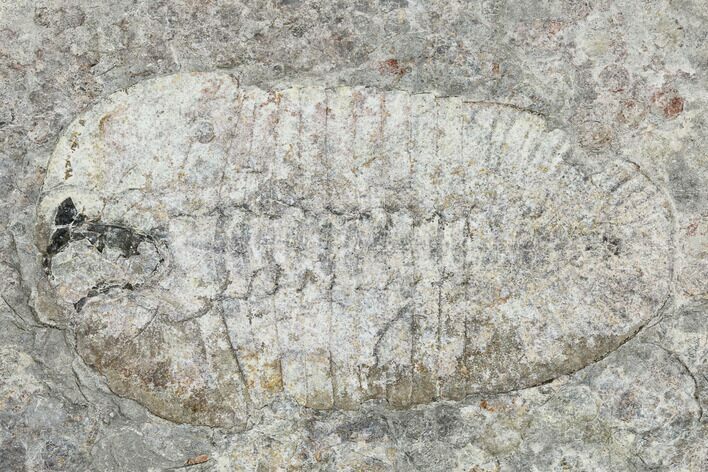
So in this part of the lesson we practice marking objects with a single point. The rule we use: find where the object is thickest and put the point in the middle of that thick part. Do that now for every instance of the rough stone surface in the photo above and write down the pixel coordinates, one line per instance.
(395, 235)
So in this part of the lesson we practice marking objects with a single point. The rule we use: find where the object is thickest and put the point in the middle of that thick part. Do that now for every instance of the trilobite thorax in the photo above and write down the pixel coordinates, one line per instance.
(219, 246)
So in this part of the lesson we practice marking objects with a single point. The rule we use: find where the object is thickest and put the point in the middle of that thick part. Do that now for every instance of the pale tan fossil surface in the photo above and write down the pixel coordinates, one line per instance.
(214, 247)
(398, 235)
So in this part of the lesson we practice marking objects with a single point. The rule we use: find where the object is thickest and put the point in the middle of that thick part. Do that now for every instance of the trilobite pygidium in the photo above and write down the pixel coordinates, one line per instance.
(217, 246)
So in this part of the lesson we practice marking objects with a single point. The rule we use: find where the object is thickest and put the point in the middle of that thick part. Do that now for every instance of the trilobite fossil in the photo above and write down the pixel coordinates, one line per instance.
(215, 247)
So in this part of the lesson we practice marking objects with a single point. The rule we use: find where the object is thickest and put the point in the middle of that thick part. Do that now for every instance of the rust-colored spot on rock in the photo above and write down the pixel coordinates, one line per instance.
(200, 459)
(553, 27)
(392, 66)
(691, 229)
(485, 405)
(68, 170)
(669, 102)
(674, 107)
(74, 141)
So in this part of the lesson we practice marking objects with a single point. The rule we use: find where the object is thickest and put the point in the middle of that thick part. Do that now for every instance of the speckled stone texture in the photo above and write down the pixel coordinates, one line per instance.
(395, 235)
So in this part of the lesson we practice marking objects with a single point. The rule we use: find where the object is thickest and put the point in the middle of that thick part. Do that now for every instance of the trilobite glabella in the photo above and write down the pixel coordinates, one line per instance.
(217, 246)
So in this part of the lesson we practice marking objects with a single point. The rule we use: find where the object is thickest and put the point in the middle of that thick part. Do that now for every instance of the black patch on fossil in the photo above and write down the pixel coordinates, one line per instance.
(67, 214)
(102, 235)
(59, 239)
(97, 290)
(70, 225)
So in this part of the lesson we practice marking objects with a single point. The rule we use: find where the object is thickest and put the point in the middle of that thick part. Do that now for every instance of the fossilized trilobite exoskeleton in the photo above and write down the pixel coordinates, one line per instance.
(216, 246)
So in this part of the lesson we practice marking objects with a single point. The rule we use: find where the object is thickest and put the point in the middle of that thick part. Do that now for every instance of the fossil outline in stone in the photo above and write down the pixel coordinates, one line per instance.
(339, 245)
